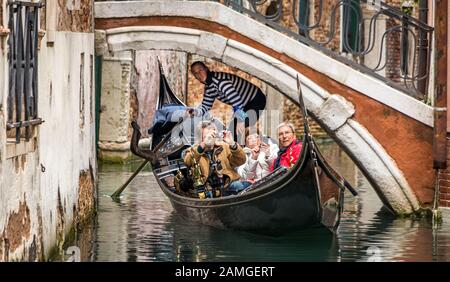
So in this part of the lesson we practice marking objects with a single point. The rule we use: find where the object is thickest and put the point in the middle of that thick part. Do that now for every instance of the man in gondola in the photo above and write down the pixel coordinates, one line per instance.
(247, 100)
(290, 147)
(228, 152)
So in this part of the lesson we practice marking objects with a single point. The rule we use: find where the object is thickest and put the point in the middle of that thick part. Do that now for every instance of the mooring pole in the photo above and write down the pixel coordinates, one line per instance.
(441, 89)
(440, 101)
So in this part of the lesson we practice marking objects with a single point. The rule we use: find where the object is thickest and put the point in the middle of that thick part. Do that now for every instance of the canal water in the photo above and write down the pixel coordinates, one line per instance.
(143, 227)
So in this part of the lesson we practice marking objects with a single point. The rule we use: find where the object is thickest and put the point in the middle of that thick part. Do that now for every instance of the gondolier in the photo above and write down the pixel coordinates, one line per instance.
(246, 98)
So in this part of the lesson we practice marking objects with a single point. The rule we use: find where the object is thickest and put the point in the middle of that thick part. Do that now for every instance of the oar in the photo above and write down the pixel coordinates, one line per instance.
(116, 194)
(119, 191)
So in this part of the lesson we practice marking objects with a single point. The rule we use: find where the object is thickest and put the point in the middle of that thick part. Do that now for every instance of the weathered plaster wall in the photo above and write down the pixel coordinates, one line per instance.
(2, 136)
(47, 187)
(67, 140)
(3, 52)
(1, 13)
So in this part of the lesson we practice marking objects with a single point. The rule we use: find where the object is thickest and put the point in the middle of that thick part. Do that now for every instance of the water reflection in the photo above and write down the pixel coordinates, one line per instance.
(200, 243)
(143, 227)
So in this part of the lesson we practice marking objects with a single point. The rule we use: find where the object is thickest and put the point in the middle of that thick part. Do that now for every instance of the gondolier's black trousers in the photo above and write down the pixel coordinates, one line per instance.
(257, 104)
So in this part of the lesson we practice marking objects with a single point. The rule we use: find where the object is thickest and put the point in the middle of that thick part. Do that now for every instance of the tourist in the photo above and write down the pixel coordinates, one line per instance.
(290, 147)
(260, 155)
(210, 150)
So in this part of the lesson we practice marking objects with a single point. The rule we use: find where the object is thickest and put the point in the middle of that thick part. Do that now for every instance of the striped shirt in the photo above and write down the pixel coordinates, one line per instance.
(228, 88)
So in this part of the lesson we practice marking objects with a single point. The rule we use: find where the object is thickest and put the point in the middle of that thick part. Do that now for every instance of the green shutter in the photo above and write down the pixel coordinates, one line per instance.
(98, 92)
(238, 2)
(351, 20)
(303, 14)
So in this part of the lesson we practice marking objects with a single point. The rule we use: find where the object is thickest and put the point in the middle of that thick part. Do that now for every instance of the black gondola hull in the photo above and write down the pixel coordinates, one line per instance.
(275, 209)
(290, 208)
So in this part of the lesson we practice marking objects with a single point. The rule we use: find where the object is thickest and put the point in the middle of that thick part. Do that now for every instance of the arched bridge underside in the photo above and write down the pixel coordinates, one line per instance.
(387, 133)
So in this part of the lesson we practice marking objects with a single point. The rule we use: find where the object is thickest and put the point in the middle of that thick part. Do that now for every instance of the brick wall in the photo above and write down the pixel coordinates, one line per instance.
(323, 33)
(286, 19)
(444, 181)
(76, 16)
(293, 114)
(393, 47)
(393, 50)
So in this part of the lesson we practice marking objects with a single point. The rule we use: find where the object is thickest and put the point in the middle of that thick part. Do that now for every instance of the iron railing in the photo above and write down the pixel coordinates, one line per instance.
(374, 37)
(22, 100)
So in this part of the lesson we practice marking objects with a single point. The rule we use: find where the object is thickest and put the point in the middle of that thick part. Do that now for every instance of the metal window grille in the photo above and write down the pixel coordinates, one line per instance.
(22, 100)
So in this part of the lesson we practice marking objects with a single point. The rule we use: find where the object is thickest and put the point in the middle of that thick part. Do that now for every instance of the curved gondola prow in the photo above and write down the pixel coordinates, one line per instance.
(311, 145)
(166, 95)
(134, 144)
(319, 161)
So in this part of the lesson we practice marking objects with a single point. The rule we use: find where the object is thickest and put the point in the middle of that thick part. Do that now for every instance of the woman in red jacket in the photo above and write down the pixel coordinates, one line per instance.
(290, 147)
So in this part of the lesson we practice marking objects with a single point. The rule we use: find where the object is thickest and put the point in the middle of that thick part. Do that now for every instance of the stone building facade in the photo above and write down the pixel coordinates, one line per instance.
(47, 181)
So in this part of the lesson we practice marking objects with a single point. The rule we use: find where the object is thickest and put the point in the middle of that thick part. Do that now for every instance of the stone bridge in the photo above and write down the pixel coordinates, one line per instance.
(387, 133)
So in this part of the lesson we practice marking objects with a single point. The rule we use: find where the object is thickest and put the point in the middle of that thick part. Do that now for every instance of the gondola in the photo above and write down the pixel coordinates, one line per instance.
(309, 194)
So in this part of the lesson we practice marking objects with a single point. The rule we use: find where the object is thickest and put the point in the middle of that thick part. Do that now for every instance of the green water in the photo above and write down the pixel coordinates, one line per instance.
(143, 227)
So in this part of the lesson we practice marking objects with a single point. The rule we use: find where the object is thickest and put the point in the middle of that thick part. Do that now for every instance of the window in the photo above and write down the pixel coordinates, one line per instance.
(303, 12)
(351, 26)
(23, 69)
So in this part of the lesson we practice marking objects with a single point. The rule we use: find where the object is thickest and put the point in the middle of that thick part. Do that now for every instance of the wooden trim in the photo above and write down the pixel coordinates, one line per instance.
(441, 87)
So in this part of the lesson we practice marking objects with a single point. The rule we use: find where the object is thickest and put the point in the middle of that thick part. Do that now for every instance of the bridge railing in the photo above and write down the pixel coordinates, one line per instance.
(383, 41)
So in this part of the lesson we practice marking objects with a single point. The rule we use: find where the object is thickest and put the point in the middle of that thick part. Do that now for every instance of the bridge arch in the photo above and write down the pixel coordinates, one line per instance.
(332, 107)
